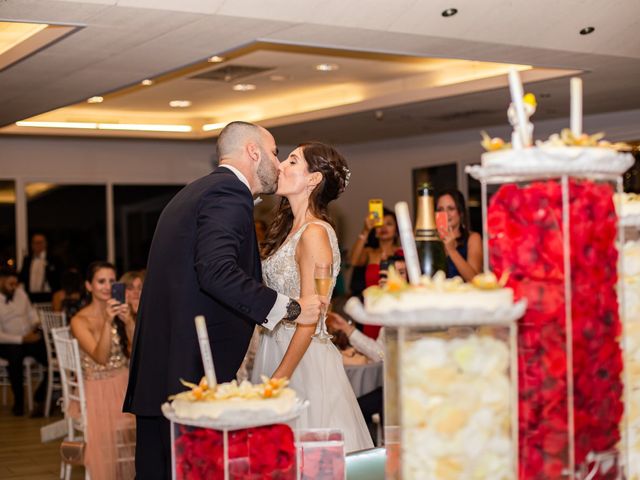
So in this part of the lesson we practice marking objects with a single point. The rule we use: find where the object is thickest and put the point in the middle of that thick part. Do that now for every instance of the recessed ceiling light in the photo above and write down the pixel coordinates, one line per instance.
(277, 78)
(244, 87)
(179, 103)
(587, 30)
(96, 99)
(215, 59)
(146, 82)
(326, 67)
(449, 12)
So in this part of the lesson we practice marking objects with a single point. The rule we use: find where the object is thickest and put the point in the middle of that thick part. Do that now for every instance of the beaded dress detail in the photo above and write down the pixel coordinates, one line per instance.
(320, 376)
(117, 360)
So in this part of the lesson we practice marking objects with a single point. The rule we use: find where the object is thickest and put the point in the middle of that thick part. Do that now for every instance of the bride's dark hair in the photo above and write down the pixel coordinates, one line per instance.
(335, 177)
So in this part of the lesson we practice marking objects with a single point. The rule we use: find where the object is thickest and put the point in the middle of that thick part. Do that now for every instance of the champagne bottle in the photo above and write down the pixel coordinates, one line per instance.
(430, 247)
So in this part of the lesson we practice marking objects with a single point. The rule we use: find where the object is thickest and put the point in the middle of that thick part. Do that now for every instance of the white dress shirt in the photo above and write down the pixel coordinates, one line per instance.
(373, 349)
(279, 309)
(38, 274)
(17, 318)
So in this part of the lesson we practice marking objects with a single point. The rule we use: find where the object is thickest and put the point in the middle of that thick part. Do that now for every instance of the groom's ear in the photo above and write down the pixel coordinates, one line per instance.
(253, 151)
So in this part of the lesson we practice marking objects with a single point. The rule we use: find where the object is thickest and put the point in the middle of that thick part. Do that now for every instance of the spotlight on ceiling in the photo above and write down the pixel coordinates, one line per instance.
(179, 103)
(327, 67)
(244, 87)
(215, 59)
(96, 99)
(587, 30)
(449, 12)
(147, 82)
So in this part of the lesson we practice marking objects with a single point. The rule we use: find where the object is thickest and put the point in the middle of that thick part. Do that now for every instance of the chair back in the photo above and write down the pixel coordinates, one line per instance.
(68, 354)
(43, 307)
(51, 320)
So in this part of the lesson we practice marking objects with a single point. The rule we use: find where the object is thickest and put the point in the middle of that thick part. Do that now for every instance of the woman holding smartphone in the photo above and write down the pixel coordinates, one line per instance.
(101, 331)
(386, 244)
(462, 246)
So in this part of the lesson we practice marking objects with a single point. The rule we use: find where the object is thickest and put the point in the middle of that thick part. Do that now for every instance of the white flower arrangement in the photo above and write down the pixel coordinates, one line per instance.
(455, 403)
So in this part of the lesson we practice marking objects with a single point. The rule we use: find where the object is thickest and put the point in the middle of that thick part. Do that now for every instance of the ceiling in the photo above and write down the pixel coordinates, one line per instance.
(115, 45)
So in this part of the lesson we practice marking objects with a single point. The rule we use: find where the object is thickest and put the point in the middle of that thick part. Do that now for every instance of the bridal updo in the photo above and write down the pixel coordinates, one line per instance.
(335, 178)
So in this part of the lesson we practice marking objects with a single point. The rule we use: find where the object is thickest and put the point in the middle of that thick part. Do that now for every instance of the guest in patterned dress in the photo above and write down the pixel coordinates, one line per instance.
(101, 328)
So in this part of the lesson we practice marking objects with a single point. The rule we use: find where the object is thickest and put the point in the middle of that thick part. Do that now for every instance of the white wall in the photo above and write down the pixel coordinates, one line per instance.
(379, 169)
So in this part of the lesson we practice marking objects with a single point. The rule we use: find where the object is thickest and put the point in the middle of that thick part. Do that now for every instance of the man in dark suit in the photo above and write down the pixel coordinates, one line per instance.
(204, 260)
(40, 274)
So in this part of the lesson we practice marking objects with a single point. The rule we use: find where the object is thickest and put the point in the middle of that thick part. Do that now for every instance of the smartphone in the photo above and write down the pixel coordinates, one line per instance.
(442, 222)
(375, 211)
(117, 291)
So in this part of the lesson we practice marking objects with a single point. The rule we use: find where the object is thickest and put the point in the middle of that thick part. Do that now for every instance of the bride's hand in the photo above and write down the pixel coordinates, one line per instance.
(310, 307)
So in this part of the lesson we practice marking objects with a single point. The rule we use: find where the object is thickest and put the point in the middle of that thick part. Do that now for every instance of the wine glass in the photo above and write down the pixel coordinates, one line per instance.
(323, 277)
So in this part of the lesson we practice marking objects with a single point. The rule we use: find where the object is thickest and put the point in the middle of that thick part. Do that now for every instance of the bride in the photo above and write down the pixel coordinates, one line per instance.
(301, 236)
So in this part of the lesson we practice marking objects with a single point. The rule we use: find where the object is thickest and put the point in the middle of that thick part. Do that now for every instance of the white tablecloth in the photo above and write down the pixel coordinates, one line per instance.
(365, 378)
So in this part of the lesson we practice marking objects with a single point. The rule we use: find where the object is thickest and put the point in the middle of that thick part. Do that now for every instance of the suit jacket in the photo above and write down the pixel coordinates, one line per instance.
(203, 260)
(52, 273)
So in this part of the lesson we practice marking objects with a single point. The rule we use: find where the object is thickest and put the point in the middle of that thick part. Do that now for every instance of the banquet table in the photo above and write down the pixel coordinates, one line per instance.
(365, 378)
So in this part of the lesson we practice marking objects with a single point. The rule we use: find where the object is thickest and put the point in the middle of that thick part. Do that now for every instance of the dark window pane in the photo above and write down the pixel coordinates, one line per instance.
(7, 223)
(73, 218)
(136, 212)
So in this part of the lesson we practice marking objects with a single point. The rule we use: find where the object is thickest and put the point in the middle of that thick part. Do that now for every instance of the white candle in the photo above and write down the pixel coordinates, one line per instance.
(408, 242)
(515, 87)
(205, 351)
(576, 106)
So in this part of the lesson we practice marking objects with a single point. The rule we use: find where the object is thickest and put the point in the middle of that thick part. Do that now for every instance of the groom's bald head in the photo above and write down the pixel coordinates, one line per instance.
(235, 136)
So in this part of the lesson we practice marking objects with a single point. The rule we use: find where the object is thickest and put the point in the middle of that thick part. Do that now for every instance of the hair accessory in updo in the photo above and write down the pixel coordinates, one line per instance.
(347, 177)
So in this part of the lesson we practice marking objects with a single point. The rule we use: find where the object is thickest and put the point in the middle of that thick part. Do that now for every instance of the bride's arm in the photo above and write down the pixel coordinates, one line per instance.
(313, 247)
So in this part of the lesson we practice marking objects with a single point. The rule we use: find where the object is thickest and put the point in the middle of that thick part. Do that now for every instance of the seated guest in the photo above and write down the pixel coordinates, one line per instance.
(19, 338)
(133, 282)
(101, 329)
(40, 274)
(71, 297)
(350, 356)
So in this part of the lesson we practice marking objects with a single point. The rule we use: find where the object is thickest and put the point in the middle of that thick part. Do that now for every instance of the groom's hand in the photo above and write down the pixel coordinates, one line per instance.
(310, 309)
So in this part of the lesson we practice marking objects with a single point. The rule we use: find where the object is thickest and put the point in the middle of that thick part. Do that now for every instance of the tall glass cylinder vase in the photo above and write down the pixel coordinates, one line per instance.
(554, 231)
(450, 392)
(630, 313)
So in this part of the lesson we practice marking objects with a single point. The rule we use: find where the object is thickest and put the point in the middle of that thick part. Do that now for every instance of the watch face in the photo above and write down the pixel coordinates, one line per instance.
(293, 309)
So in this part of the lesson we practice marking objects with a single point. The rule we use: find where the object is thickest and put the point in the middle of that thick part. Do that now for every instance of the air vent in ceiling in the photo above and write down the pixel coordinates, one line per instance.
(230, 73)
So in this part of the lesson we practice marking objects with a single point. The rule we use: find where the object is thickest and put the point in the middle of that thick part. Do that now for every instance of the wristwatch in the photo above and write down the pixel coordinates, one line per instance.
(293, 310)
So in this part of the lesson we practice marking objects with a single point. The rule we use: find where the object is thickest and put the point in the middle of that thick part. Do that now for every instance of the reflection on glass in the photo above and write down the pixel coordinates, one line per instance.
(7, 223)
(136, 212)
(72, 218)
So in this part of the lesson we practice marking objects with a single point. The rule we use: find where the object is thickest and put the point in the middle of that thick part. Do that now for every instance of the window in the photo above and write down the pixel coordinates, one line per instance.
(136, 212)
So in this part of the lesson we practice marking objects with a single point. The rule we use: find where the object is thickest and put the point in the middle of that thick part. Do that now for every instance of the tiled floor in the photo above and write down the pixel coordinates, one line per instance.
(22, 455)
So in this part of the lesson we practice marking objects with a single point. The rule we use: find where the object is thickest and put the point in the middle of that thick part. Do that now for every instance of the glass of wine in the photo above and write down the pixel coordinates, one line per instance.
(323, 277)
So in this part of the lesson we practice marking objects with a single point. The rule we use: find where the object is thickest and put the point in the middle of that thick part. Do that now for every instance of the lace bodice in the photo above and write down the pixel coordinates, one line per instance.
(280, 270)
(117, 360)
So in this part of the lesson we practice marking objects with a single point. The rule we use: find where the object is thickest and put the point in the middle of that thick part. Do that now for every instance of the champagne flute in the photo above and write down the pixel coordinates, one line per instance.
(323, 277)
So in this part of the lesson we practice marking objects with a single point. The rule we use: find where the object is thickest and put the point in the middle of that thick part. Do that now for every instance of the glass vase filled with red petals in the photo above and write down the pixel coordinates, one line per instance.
(555, 235)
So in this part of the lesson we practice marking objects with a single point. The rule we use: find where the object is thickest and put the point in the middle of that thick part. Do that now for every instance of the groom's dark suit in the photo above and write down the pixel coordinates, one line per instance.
(203, 260)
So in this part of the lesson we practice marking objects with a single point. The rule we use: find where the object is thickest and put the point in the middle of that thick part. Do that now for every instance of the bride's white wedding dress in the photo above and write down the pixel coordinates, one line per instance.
(320, 375)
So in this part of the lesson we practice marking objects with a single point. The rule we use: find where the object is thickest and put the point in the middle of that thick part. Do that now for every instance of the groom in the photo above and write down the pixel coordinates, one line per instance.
(204, 260)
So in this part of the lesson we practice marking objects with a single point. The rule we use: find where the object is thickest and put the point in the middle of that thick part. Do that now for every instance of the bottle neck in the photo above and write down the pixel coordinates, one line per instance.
(425, 218)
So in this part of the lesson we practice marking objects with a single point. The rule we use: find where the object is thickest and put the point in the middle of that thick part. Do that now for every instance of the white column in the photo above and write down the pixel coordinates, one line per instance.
(22, 224)
(111, 236)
